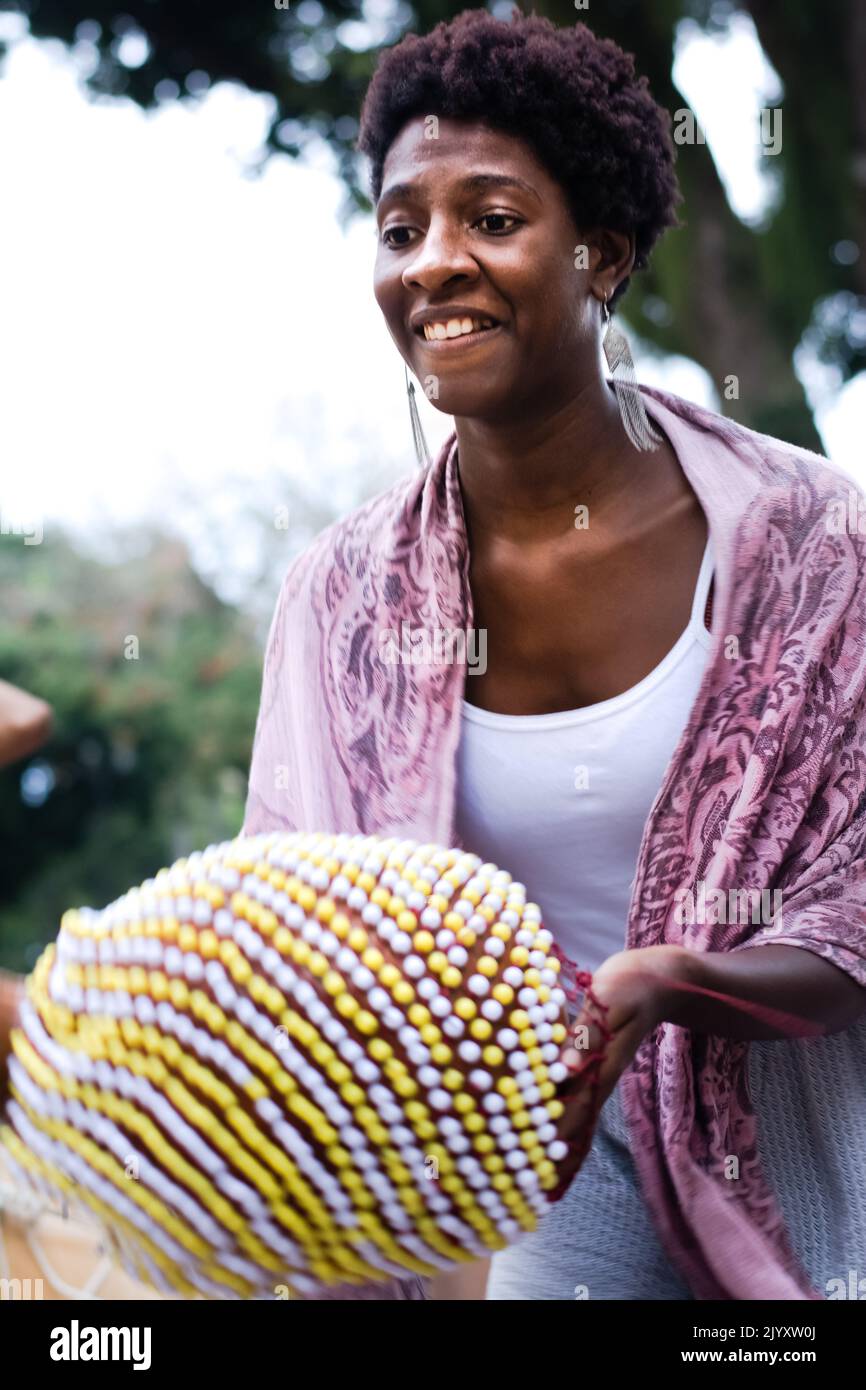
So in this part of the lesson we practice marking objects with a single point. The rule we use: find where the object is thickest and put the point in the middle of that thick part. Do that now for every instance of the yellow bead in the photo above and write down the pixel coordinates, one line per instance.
(396, 905)
(464, 1103)
(423, 941)
(381, 897)
(493, 1056)
(307, 898)
(472, 1123)
(403, 992)
(318, 964)
(358, 940)
(558, 1033)
(389, 975)
(340, 925)
(366, 881)
(346, 1005)
(501, 930)
(451, 977)
(301, 951)
(405, 1086)
(418, 1015)
(430, 1034)
(555, 1109)
(488, 966)
(507, 1086)
(416, 1112)
(325, 909)
(334, 982)
(494, 1163)
(485, 1144)
(365, 1022)
(350, 871)
(502, 993)
(352, 1093)
(519, 955)
(466, 1009)
(519, 1019)
(548, 1090)
(520, 1119)
(467, 937)
(481, 1029)
(380, 1049)
(452, 1079)
(501, 1182)
(406, 920)
(534, 1056)
(453, 921)
(437, 962)
(532, 977)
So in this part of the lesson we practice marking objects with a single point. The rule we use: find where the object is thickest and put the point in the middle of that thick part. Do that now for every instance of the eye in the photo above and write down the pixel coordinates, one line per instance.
(500, 218)
(403, 234)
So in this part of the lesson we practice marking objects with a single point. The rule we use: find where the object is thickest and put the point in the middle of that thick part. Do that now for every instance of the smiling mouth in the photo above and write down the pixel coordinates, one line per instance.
(462, 331)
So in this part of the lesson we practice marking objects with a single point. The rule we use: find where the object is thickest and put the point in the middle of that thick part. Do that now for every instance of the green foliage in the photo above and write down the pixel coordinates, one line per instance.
(148, 757)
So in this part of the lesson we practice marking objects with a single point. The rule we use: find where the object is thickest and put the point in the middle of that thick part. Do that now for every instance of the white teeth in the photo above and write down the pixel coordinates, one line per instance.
(454, 328)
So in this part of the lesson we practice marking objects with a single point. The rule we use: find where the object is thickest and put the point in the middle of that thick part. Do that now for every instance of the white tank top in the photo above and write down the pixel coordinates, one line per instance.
(561, 800)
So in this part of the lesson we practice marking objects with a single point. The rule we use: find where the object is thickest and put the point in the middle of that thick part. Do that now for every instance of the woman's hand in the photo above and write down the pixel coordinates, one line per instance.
(631, 993)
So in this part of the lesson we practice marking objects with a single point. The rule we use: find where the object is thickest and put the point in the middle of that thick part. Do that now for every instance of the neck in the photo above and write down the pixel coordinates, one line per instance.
(523, 478)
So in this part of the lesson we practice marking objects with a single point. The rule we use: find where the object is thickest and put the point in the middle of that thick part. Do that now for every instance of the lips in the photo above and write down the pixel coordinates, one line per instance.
(457, 333)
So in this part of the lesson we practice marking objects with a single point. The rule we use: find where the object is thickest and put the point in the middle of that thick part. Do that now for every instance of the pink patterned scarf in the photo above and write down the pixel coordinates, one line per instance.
(765, 790)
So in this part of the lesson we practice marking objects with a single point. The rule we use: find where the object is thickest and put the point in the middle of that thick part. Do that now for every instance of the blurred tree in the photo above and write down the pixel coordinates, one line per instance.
(738, 299)
(154, 687)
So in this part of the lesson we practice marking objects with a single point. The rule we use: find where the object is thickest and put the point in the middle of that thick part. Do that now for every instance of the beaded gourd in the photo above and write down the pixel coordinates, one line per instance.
(299, 1060)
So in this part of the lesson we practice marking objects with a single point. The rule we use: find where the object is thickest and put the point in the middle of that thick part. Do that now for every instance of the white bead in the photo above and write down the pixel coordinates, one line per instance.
(372, 914)
(469, 1051)
(414, 967)
(458, 955)
(453, 1027)
(431, 918)
(492, 1010)
(557, 1072)
(494, 946)
(513, 976)
(507, 1039)
(439, 1099)
(401, 942)
(480, 1079)
(478, 984)
(557, 1150)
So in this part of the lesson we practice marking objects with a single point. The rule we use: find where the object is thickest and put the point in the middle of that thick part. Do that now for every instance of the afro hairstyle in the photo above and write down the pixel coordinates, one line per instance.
(572, 97)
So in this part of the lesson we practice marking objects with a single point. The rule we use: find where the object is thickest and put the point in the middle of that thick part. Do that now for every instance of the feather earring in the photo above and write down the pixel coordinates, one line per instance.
(420, 442)
(636, 422)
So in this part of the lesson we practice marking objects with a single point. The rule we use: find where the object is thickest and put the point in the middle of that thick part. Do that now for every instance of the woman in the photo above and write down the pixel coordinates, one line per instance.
(630, 762)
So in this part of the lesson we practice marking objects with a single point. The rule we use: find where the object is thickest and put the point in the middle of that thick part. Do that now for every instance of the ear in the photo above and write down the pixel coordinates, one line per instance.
(612, 258)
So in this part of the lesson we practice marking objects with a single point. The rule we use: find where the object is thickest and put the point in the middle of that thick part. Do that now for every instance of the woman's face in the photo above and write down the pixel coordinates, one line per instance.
(474, 232)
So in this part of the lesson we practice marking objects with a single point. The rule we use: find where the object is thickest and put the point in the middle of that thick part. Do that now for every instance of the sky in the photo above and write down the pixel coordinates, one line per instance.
(179, 338)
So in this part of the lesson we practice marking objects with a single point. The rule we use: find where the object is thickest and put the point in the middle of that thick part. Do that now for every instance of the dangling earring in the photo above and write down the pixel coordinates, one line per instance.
(636, 422)
(421, 449)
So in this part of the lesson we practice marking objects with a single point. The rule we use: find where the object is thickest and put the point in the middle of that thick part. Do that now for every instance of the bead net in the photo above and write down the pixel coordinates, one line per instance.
(298, 1061)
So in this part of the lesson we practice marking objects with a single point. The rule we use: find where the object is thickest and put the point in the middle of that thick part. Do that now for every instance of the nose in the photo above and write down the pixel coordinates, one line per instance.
(442, 255)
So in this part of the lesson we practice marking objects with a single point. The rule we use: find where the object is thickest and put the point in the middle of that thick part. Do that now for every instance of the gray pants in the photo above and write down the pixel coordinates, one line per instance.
(598, 1242)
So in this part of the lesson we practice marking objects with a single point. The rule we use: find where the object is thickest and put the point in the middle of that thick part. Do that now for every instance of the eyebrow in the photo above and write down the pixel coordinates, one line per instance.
(473, 183)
